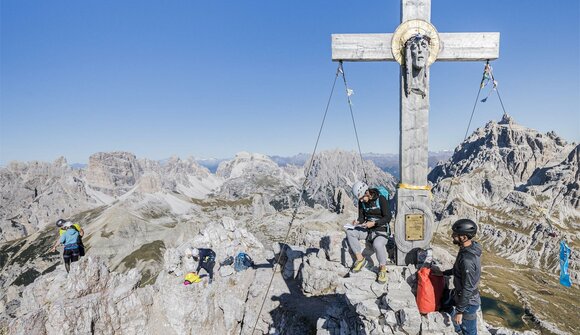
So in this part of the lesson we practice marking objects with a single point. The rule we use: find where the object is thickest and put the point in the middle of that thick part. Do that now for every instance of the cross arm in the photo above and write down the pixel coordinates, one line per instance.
(468, 46)
(362, 47)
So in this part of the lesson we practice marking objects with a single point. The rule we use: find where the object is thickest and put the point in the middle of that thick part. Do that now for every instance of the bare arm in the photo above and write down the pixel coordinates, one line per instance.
(56, 243)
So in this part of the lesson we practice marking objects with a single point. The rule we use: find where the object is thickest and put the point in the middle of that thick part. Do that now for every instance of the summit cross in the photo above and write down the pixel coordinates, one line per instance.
(415, 45)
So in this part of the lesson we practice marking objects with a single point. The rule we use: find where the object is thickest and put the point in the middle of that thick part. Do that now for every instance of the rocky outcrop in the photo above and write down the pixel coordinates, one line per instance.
(249, 174)
(336, 171)
(519, 184)
(36, 194)
(94, 300)
(113, 173)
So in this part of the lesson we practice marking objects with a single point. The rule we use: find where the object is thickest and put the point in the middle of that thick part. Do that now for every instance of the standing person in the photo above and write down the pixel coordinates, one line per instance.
(70, 241)
(372, 224)
(61, 231)
(205, 259)
(466, 276)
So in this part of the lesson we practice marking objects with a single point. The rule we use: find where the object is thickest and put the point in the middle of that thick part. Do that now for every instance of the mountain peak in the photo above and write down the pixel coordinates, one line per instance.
(506, 119)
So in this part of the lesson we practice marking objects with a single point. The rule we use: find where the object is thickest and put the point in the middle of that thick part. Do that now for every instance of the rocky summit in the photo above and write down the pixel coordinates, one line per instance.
(140, 216)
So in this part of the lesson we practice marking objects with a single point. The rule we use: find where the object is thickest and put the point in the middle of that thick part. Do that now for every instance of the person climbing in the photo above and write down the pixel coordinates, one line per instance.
(466, 276)
(372, 224)
(205, 259)
(70, 241)
(62, 230)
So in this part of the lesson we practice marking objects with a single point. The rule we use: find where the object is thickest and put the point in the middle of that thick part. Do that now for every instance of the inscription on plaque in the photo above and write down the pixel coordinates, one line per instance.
(414, 227)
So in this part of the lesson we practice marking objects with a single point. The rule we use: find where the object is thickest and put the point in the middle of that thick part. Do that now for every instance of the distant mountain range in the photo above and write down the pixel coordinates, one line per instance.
(386, 162)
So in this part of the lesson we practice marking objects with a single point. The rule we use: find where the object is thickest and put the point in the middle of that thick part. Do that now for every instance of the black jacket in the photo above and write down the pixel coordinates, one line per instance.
(466, 275)
(373, 211)
(206, 259)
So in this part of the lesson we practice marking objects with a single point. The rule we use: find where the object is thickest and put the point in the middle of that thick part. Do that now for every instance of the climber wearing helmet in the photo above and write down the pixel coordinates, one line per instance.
(372, 224)
(466, 276)
(205, 259)
(60, 223)
(70, 241)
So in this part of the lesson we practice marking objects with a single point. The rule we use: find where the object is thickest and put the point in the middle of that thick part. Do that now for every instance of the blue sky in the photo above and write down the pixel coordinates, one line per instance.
(212, 78)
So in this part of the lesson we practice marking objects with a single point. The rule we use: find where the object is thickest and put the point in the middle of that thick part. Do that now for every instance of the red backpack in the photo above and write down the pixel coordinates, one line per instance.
(429, 290)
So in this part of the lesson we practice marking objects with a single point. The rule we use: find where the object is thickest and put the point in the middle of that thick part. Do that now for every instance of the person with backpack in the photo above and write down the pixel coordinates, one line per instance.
(70, 239)
(466, 277)
(372, 224)
(205, 259)
(61, 230)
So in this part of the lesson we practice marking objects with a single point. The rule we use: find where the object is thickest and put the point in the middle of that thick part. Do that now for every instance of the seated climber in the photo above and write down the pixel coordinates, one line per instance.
(62, 230)
(205, 260)
(70, 239)
(372, 224)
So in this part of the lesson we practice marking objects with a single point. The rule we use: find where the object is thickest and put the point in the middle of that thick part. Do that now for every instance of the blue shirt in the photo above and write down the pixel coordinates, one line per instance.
(70, 236)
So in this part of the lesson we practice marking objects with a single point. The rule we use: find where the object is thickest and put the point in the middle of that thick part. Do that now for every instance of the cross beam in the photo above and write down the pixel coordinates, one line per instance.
(377, 47)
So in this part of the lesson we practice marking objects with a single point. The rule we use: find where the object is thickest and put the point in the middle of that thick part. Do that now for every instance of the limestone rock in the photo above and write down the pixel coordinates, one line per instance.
(113, 173)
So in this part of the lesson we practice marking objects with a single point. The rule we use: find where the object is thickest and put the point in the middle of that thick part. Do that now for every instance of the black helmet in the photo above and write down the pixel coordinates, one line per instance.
(465, 227)
(60, 222)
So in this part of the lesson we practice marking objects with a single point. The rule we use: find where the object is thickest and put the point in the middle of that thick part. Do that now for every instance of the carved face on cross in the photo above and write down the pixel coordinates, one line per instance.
(418, 50)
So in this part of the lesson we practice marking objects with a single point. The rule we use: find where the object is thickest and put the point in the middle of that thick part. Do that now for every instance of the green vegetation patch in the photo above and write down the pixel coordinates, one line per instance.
(26, 278)
(106, 234)
(83, 218)
(213, 204)
(50, 269)
(36, 248)
(148, 252)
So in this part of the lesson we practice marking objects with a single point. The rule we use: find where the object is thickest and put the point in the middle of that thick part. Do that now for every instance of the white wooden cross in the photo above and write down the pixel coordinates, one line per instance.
(414, 220)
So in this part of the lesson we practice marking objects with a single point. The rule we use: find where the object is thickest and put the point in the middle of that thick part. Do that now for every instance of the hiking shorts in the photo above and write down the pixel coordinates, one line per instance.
(71, 255)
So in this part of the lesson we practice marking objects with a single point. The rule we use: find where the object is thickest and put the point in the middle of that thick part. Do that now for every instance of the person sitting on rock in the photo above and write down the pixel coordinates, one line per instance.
(70, 241)
(62, 230)
(372, 224)
(205, 260)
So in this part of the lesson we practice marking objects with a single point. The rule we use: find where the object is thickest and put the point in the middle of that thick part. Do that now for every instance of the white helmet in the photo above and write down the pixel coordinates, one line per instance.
(359, 188)
(194, 252)
(67, 225)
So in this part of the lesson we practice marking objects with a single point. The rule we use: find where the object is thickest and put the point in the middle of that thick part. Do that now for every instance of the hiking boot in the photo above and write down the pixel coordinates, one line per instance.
(359, 265)
(382, 277)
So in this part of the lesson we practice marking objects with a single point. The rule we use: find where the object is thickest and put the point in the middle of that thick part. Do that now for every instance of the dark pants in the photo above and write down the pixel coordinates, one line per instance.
(468, 325)
(70, 255)
(208, 267)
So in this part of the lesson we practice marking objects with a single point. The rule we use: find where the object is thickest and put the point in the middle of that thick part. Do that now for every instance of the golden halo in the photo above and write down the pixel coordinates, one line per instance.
(410, 28)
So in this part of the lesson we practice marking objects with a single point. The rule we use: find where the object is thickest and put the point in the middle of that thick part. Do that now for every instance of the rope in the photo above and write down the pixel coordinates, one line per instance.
(348, 94)
(338, 71)
(481, 85)
(475, 103)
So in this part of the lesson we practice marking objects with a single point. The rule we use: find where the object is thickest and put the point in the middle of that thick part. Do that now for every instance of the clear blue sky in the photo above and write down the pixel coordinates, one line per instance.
(212, 78)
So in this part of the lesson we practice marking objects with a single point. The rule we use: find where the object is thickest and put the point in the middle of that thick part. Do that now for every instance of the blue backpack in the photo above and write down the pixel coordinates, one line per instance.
(242, 262)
